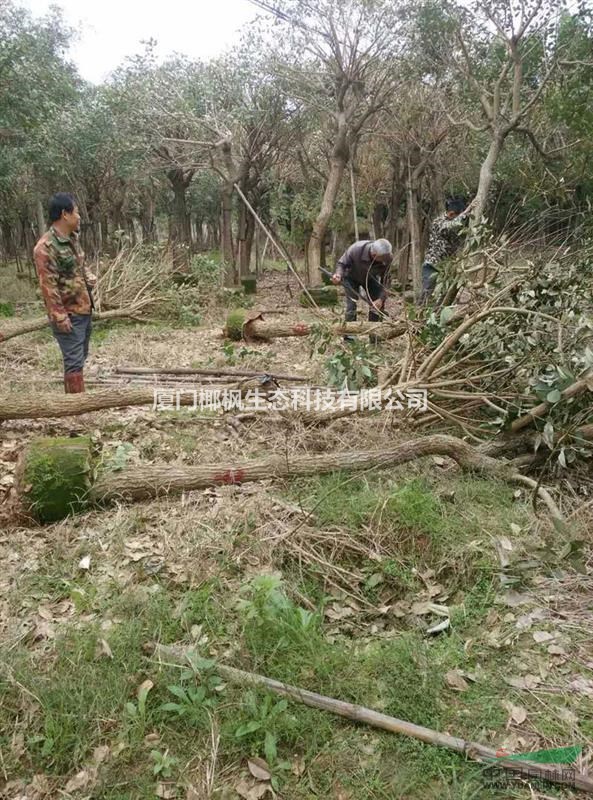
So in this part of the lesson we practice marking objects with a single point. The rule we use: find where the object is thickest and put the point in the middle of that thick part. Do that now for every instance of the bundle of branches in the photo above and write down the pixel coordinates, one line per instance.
(129, 280)
(523, 358)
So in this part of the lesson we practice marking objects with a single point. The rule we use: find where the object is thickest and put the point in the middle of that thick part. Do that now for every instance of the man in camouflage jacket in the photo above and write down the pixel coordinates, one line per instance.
(66, 287)
(443, 242)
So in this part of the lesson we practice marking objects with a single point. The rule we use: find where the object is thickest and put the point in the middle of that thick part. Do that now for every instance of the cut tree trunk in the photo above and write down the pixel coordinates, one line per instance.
(138, 483)
(37, 324)
(240, 326)
(144, 482)
(43, 406)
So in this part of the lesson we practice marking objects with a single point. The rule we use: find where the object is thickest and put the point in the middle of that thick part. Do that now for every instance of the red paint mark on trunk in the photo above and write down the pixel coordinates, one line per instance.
(231, 476)
(300, 329)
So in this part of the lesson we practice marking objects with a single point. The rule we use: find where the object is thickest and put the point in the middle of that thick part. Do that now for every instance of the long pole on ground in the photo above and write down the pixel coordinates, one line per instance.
(473, 750)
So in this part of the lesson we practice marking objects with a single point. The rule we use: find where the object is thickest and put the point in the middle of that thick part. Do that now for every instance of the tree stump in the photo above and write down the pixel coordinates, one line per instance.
(249, 285)
(54, 477)
(323, 296)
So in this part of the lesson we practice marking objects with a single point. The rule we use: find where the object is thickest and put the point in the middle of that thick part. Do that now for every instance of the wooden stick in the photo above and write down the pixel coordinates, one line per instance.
(474, 750)
(242, 373)
(28, 326)
(540, 410)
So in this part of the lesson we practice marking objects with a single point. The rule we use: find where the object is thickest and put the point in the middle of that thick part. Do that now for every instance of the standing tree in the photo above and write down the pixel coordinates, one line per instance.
(342, 71)
(503, 55)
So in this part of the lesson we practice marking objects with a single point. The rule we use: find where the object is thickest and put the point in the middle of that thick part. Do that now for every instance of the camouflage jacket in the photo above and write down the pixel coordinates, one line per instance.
(357, 264)
(63, 278)
(444, 239)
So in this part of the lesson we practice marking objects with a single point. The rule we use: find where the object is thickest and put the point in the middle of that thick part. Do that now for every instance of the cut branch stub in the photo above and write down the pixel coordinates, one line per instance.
(54, 477)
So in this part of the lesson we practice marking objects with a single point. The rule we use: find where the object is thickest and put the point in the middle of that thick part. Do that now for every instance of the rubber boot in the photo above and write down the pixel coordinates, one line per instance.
(74, 382)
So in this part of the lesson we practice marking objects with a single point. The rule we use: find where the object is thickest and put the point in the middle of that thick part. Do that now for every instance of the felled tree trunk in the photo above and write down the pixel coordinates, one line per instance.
(240, 326)
(144, 482)
(37, 324)
(38, 406)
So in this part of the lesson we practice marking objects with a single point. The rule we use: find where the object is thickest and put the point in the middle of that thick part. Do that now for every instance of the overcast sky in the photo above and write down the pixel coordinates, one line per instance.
(113, 29)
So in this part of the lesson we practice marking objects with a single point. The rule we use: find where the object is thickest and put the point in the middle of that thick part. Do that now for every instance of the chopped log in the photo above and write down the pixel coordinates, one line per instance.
(187, 656)
(239, 325)
(43, 406)
(54, 477)
(142, 482)
(37, 324)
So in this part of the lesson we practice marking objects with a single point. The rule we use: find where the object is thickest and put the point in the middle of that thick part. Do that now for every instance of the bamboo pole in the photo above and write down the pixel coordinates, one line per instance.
(473, 750)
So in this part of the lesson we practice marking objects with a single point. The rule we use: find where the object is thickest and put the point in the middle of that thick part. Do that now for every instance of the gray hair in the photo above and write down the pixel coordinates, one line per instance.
(381, 247)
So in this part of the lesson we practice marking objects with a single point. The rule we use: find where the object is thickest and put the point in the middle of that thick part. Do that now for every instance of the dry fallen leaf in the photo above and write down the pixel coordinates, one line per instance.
(298, 766)
(166, 791)
(79, 782)
(542, 636)
(456, 680)
(514, 599)
(145, 686)
(556, 650)
(259, 769)
(100, 754)
(103, 649)
(524, 682)
(518, 713)
(250, 790)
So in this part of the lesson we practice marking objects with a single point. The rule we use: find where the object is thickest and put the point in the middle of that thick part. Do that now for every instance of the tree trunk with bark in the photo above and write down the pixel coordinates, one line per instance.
(486, 178)
(240, 326)
(338, 162)
(180, 236)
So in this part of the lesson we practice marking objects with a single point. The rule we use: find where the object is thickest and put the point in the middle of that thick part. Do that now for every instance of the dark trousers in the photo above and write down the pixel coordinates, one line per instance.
(374, 291)
(74, 345)
(429, 281)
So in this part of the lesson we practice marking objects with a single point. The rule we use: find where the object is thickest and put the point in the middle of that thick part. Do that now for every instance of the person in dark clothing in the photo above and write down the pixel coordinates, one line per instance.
(365, 266)
(444, 241)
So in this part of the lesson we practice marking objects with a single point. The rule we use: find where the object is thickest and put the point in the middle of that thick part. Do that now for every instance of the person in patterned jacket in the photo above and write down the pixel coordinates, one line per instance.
(443, 242)
(66, 287)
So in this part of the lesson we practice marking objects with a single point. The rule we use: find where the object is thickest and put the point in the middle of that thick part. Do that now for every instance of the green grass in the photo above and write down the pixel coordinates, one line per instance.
(16, 288)
(66, 698)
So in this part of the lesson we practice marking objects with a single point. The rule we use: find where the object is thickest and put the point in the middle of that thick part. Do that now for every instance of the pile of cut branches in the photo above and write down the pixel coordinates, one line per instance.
(520, 357)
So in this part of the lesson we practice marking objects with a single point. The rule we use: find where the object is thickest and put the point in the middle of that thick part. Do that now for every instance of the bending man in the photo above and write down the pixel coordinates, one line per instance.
(365, 265)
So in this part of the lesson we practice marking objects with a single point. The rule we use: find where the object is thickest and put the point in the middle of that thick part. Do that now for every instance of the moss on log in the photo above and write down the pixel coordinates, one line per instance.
(323, 296)
(54, 477)
(234, 324)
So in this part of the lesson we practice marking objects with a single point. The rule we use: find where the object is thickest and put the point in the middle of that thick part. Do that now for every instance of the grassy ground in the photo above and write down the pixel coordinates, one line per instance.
(330, 583)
